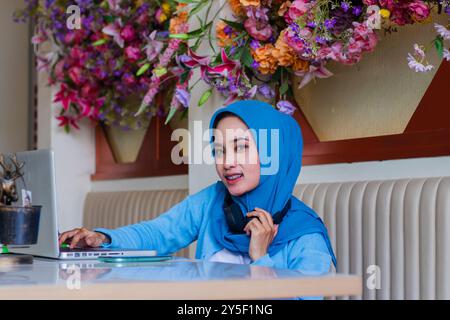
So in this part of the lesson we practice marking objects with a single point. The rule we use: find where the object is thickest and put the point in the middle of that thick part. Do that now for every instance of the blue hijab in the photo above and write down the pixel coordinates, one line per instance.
(275, 188)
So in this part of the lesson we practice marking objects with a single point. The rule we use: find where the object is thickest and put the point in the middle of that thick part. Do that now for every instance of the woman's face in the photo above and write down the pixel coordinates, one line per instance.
(236, 156)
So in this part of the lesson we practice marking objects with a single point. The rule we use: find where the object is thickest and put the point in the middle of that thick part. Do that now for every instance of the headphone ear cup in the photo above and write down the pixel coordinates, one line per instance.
(236, 221)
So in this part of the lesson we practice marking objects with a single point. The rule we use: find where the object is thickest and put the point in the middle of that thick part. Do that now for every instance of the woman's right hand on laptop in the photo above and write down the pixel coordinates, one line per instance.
(83, 238)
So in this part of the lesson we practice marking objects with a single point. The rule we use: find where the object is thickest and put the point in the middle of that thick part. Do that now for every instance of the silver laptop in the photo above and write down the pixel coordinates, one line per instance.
(39, 178)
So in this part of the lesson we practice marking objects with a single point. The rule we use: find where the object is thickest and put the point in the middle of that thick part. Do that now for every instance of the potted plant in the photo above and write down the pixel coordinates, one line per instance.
(19, 225)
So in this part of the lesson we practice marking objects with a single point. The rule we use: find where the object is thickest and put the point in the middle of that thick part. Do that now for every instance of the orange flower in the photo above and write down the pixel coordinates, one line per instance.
(300, 65)
(283, 8)
(178, 22)
(264, 56)
(223, 39)
(236, 7)
(284, 54)
(246, 3)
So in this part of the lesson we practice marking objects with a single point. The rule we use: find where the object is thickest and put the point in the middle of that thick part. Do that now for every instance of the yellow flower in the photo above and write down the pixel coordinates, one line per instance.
(264, 56)
(246, 3)
(166, 8)
(284, 54)
(385, 13)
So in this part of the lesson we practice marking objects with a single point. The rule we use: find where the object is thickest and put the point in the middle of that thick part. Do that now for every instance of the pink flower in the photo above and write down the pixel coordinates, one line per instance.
(314, 72)
(419, 10)
(258, 31)
(66, 96)
(154, 47)
(113, 30)
(65, 121)
(366, 35)
(75, 74)
(128, 33)
(257, 24)
(89, 91)
(128, 79)
(78, 55)
(132, 53)
(298, 8)
(295, 41)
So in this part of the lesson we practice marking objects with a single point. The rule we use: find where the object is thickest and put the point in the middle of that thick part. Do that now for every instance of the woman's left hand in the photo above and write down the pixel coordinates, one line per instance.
(262, 231)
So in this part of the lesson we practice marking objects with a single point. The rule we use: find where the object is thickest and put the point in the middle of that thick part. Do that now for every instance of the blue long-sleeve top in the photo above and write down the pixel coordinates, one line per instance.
(190, 220)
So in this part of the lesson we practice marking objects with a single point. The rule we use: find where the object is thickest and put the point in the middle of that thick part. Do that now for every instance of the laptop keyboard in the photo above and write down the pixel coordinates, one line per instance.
(88, 252)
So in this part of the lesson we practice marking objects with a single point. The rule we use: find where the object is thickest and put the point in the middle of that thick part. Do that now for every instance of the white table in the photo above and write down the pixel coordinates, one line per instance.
(176, 279)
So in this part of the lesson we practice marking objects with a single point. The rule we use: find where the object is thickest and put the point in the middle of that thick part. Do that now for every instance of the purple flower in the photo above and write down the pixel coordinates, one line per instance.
(228, 30)
(255, 65)
(48, 3)
(266, 91)
(345, 6)
(311, 24)
(329, 23)
(357, 10)
(183, 96)
(286, 107)
(321, 40)
(254, 44)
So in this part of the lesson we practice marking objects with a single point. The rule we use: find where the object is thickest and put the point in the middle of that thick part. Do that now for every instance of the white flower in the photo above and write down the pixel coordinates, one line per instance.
(419, 51)
(418, 66)
(446, 54)
(442, 31)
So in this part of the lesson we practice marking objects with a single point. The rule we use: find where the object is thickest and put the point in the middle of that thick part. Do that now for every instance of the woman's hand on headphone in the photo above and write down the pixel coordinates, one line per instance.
(262, 231)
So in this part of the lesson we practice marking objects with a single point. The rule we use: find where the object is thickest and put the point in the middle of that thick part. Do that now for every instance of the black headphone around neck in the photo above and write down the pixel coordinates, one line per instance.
(237, 221)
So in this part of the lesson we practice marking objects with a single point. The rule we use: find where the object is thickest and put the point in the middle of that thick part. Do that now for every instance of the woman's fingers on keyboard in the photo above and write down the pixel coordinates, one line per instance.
(67, 235)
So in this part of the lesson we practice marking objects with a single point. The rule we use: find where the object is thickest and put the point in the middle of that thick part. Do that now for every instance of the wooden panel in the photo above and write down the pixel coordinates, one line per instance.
(153, 160)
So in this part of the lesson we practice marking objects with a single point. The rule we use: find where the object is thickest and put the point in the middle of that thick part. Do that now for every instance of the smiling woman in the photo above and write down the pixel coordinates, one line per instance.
(236, 155)
(280, 230)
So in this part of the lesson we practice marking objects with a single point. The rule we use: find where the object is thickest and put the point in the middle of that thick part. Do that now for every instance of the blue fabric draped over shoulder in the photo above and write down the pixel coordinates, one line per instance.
(280, 145)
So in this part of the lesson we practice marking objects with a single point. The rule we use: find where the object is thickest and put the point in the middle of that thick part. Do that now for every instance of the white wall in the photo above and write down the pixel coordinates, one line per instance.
(74, 157)
(14, 67)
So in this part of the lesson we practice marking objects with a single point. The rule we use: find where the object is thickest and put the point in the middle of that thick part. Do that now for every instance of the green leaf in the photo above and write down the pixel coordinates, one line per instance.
(184, 76)
(141, 109)
(205, 96)
(247, 58)
(198, 32)
(439, 45)
(143, 69)
(182, 36)
(172, 112)
(160, 71)
(198, 8)
(109, 19)
(234, 25)
(99, 42)
(187, 1)
(284, 87)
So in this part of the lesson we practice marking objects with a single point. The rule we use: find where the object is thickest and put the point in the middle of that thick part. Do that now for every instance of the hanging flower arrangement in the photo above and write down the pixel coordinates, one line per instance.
(268, 41)
(105, 55)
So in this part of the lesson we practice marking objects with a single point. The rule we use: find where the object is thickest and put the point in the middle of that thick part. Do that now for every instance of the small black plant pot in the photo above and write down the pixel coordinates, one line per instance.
(19, 225)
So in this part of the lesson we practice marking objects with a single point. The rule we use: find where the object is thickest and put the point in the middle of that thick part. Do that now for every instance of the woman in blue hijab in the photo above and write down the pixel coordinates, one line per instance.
(250, 216)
